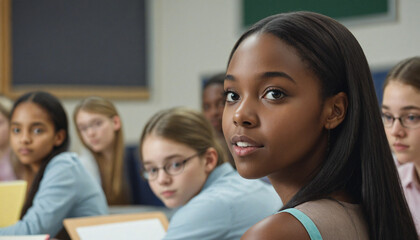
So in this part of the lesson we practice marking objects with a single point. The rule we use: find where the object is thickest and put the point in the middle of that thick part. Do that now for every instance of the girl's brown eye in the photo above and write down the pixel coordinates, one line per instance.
(15, 130)
(38, 130)
(231, 96)
(274, 94)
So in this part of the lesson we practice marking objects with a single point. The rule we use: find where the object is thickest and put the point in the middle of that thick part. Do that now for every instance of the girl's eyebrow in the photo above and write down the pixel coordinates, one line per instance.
(95, 119)
(277, 74)
(410, 107)
(32, 124)
(38, 124)
(266, 75)
(165, 159)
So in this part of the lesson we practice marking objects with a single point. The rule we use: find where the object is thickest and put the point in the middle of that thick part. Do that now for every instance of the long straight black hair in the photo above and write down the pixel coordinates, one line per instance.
(58, 117)
(359, 159)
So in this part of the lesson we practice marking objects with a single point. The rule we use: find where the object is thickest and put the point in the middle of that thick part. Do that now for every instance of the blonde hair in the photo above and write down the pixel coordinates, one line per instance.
(406, 71)
(114, 186)
(5, 106)
(187, 127)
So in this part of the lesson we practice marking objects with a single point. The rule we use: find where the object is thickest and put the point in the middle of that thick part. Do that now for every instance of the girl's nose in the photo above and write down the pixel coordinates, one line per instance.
(245, 115)
(25, 137)
(163, 178)
(398, 130)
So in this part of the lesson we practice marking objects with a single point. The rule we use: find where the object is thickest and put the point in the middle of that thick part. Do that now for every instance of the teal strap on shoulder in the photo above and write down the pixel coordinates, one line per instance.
(310, 226)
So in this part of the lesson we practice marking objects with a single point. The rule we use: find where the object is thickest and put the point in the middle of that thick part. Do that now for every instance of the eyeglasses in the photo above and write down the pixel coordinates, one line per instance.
(94, 125)
(408, 120)
(171, 168)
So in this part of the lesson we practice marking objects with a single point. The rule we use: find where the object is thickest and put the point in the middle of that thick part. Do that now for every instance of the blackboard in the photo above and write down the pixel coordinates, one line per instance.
(77, 48)
(253, 11)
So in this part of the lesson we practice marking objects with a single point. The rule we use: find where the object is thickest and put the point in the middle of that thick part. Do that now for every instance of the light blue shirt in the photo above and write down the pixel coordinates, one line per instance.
(65, 191)
(225, 208)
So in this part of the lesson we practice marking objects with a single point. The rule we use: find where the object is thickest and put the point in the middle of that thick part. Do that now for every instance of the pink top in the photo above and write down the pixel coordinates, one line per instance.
(411, 185)
(6, 169)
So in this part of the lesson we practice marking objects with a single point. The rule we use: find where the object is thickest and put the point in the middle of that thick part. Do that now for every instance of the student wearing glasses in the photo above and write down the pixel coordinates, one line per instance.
(401, 117)
(99, 127)
(187, 168)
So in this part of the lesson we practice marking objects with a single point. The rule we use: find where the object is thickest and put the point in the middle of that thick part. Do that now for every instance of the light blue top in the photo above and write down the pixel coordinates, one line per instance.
(65, 191)
(225, 208)
(310, 226)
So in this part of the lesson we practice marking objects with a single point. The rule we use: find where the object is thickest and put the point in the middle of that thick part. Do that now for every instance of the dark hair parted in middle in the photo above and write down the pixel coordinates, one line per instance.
(58, 117)
(359, 160)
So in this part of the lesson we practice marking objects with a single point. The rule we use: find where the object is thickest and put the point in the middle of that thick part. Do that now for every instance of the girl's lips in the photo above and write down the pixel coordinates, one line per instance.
(24, 151)
(243, 145)
(167, 194)
(244, 151)
(94, 141)
(400, 147)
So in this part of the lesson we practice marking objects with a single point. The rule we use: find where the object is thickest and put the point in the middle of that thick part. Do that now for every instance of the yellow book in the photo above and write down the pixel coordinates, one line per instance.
(12, 196)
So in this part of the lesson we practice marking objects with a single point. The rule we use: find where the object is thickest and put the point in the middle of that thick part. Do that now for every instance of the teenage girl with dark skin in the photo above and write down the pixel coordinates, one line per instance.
(301, 109)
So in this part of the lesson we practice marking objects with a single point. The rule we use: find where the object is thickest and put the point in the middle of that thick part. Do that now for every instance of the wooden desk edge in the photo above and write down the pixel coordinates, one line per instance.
(71, 224)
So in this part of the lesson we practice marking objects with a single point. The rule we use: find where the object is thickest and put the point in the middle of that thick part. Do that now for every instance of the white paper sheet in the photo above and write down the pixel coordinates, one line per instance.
(149, 229)
(28, 237)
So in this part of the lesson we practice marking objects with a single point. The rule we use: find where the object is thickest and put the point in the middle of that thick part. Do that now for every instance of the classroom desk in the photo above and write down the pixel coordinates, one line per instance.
(123, 209)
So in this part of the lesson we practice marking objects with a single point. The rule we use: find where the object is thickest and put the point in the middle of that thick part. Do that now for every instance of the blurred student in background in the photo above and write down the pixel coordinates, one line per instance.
(59, 186)
(401, 117)
(99, 128)
(213, 101)
(213, 104)
(6, 170)
(114, 165)
(186, 168)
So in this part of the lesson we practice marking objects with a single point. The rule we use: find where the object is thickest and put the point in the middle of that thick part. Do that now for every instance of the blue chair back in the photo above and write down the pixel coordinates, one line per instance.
(139, 187)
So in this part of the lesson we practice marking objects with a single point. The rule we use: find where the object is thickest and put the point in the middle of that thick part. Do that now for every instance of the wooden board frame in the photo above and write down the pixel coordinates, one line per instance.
(71, 224)
(73, 91)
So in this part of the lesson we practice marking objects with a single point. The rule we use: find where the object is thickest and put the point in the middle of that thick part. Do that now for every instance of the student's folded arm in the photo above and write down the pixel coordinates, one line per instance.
(208, 219)
(52, 203)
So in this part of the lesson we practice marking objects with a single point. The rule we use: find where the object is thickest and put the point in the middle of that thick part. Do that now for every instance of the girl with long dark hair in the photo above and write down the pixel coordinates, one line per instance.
(301, 109)
(59, 186)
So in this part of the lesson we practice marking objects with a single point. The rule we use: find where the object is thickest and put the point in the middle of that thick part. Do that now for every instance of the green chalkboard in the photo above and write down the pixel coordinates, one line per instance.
(338, 9)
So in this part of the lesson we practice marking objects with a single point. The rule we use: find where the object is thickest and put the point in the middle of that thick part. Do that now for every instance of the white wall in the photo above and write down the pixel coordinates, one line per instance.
(387, 43)
(193, 38)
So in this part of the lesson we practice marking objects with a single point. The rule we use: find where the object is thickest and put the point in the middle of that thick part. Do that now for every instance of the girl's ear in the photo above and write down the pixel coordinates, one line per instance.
(59, 137)
(336, 109)
(210, 158)
(116, 120)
